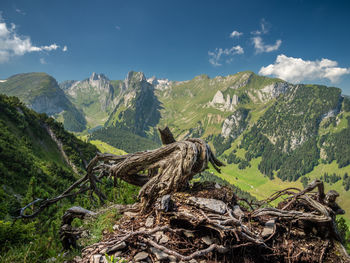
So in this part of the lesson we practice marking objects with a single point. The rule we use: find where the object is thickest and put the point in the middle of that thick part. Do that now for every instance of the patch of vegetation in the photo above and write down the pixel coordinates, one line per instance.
(337, 146)
(275, 135)
(123, 139)
(31, 167)
(207, 176)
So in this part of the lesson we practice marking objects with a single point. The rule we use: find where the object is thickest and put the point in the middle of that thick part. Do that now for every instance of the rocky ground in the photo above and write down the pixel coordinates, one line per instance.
(208, 223)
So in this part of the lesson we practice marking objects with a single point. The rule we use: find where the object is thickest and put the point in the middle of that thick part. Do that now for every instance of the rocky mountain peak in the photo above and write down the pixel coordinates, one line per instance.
(160, 84)
(94, 76)
(136, 76)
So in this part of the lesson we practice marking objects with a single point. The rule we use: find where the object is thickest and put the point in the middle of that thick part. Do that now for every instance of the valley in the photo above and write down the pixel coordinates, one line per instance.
(272, 134)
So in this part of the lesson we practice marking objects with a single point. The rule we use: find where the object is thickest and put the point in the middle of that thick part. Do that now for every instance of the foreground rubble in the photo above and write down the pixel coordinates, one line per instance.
(208, 223)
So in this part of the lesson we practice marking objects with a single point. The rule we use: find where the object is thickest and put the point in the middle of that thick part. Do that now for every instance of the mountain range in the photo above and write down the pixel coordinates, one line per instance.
(270, 132)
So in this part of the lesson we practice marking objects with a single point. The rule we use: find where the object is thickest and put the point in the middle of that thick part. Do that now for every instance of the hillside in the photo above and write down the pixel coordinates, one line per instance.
(138, 108)
(271, 133)
(96, 97)
(41, 93)
(38, 159)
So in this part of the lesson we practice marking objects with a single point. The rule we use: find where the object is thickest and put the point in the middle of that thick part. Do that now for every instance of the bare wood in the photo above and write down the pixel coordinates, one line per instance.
(166, 136)
(198, 253)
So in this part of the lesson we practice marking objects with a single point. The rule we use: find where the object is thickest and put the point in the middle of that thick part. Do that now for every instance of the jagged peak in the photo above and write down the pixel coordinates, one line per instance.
(95, 76)
(138, 76)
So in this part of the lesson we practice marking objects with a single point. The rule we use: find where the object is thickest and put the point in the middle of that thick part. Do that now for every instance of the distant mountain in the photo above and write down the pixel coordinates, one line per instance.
(262, 127)
(41, 92)
(96, 97)
(138, 108)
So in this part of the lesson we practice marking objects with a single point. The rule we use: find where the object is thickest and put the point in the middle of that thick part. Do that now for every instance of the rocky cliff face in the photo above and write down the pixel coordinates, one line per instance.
(41, 92)
(96, 97)
(223, 104)
(138, 107)
(97, 85)
(235, 124)
(273, 90)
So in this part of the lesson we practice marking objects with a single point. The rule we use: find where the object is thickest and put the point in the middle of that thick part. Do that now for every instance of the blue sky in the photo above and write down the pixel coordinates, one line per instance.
(299, 41)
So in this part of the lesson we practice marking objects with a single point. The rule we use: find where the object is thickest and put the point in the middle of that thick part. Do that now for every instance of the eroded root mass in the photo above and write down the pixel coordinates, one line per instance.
(174, 222)
(204, 223)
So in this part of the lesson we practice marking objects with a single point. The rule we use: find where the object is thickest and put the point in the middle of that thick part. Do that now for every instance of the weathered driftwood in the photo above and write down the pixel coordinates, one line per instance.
(161, 171)
(68, 234)
(268, 233)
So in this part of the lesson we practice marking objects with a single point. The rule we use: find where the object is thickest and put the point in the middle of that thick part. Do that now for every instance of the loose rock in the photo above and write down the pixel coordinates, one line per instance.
(140, 256)
(269, 228)
(166, 204)
(212, 205)
(117, 247)
(160, 255)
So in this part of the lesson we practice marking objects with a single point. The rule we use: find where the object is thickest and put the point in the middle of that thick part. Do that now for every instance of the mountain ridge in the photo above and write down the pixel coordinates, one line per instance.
(252, 122)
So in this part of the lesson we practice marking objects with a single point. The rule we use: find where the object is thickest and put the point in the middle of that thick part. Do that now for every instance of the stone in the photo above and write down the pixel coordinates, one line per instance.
(207, 240)
(149, 221)
(217, 186)
(140, 256)
(160, 255)
(209, 204)
(269, 228)
(193, 261)
(115, 227)
(166, 204)
(117, 247)
(237, 212)
(164, 239)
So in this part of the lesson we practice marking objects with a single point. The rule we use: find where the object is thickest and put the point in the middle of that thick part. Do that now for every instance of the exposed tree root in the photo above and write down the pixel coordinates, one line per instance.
(174, 222)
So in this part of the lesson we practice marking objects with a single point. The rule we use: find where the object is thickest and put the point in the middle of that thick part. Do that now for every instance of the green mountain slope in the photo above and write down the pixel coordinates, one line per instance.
(281, 133)
(123, 139)
(96, 97)
(31, 150)
(41, 92)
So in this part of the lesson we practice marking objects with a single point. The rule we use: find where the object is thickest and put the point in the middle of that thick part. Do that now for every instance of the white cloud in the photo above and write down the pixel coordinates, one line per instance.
(64, 49)
(19, 11)
(260, 47)
(219, 54)
(264, 28)
(235, 34)
(12, 44)
(43, 61)
(297, 70)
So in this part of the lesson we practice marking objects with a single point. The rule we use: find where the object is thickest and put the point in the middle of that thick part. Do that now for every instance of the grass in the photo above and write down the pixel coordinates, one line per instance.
(106, 148)
(254, 182)
(103, 223)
